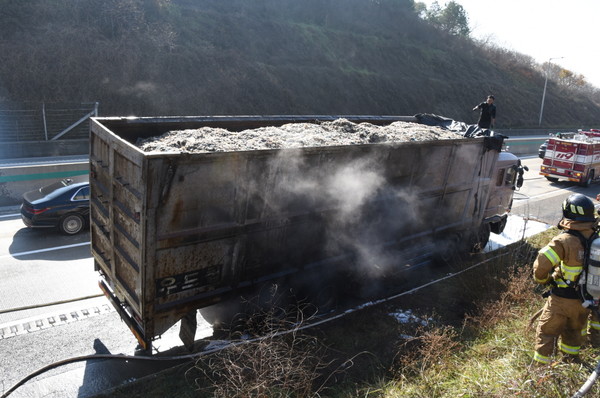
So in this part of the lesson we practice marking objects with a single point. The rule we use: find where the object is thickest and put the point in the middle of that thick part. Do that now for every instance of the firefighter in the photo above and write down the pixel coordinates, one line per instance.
(594, 323)
(560, 265)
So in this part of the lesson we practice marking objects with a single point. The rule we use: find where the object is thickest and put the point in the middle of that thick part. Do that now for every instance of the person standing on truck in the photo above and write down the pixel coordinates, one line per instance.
(487, 117)
(560, 264)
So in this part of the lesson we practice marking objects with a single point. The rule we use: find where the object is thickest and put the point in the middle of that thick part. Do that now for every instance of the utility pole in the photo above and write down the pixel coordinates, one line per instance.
(545, 85)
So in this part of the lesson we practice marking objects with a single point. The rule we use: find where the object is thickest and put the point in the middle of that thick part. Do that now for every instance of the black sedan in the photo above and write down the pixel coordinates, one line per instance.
(64, 204)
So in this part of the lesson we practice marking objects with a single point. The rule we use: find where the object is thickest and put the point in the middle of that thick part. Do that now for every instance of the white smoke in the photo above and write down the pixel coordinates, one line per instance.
(351, 186)
(365, 213)
(140, 89)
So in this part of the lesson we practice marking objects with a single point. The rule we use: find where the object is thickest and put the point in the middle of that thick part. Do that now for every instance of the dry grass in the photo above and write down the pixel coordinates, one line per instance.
(274, 365)
(490, 354)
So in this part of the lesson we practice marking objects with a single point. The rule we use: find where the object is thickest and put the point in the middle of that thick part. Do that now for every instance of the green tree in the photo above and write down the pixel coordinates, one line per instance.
(452, 18)
(420, 9)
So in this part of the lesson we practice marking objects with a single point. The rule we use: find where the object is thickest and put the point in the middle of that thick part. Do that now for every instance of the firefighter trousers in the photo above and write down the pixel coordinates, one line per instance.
(594, 329)
(564, 318)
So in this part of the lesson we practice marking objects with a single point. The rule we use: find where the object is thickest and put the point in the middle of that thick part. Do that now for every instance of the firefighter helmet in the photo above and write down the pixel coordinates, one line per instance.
(578, 207)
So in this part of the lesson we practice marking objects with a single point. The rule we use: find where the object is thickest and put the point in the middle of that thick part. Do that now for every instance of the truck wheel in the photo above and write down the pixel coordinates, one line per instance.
(480, 239)
(498, 227)
(552, 179)
(71, 224)
(588, 180)
(448, 249)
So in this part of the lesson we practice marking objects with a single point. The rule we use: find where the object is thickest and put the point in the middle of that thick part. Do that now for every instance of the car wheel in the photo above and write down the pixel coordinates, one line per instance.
(71, 224)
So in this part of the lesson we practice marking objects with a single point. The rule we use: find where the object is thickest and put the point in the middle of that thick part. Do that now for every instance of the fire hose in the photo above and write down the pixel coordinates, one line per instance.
(585, 388)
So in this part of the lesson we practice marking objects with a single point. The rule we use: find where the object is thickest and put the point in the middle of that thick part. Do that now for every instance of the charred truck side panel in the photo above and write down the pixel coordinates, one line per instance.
(174, 232)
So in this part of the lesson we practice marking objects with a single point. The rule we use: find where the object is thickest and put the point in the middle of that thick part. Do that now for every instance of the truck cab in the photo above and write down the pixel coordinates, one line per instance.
(507, 171)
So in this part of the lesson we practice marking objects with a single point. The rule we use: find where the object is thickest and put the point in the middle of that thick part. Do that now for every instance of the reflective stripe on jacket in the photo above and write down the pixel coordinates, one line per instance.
(562, 258)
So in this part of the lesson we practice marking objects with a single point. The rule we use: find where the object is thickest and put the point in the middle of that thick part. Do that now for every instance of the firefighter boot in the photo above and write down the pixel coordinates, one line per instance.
(594, 332)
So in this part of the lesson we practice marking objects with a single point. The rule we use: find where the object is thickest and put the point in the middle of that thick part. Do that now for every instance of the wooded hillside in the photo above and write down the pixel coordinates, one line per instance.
(208, 57)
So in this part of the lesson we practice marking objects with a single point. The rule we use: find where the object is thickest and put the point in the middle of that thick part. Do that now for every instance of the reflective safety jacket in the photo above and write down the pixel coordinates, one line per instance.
(561, 261)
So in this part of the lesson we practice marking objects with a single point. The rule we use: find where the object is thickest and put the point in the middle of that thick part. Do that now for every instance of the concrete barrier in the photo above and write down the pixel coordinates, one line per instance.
(32, 149)
(524, 146)
(16, 180)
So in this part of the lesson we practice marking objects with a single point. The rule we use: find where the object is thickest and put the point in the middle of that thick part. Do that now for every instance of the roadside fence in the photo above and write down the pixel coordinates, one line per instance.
(45, 121)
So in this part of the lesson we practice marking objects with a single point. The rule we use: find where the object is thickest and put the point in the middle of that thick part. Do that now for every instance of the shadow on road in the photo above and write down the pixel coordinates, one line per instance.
(101, 375)
(48, 244)
(93, 380)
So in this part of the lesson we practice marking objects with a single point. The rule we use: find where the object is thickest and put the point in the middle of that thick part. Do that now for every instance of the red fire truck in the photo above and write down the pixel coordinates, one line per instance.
(573, 156)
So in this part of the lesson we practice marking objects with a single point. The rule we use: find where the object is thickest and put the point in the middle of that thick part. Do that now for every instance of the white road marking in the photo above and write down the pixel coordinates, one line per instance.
(10, 215)
(44, 250)
(556, 192)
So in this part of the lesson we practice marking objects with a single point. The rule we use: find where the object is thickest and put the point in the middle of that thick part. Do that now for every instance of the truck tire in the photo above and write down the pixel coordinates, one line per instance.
(480, 238)
(552, 179)
(71, 224)
(590, 177)
(448, 249)
(498, 227)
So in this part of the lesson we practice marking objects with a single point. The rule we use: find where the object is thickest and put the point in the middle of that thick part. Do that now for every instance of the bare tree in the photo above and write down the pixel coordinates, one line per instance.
(570, 79)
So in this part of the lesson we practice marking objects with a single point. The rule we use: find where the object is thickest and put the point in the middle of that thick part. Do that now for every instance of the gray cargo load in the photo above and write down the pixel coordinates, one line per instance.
(175, 232)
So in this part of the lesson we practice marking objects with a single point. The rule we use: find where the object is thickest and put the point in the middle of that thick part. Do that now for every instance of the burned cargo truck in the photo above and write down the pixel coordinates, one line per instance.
(173, 230)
